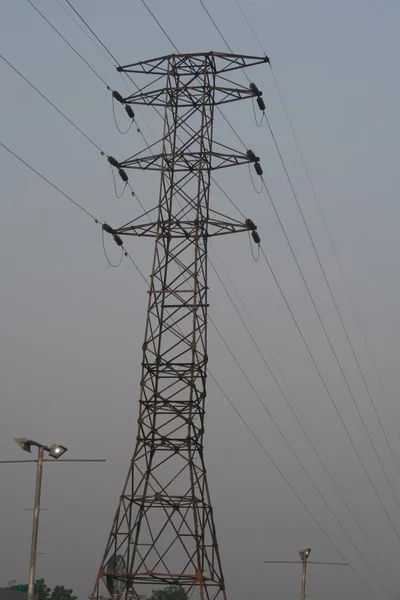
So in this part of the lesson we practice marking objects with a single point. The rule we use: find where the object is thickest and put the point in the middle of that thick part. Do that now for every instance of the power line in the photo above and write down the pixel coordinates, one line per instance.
(85, 33)
(254, 436)
(331, 293)
(93, 33)
(53, 106)
(327, 389)
(298, 421)
(115, 62)
(252, 29)
(160, 26)
(336, 308)
(70, 45)
(60, 191)
(333, 248)
(332, 244)
(246, 310)
(138, 129)
(50, 183)
(297, 459)
(216, 26)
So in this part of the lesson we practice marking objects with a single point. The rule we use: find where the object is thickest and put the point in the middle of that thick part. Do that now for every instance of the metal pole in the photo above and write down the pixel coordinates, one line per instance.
(35, 527)
(303, 576)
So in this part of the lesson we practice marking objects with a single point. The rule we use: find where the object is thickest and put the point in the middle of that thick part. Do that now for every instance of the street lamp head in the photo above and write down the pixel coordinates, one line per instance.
(24, 444)
(304, 554)
(56, 450)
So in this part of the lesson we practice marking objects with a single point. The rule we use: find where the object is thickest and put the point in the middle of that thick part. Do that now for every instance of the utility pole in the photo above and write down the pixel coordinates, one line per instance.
(55, 451)
(164, 531)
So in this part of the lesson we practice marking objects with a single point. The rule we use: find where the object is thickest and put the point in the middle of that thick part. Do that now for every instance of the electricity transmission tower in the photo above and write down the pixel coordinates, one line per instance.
(163, 531)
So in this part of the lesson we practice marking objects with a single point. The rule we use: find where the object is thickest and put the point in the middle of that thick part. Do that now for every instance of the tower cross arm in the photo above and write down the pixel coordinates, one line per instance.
(194, 63)
(187, 228)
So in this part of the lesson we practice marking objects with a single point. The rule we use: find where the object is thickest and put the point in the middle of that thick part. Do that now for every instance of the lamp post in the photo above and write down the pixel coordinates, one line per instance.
(55, 451)
(304, 554)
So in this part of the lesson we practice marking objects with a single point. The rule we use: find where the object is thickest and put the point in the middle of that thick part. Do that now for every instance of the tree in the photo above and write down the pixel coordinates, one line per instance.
(43, 591)
(61, 593)
(171, 592)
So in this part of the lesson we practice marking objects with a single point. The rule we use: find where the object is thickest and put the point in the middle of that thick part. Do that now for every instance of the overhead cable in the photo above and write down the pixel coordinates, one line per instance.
(327, 390)
(290, 406)
(299, 462)
(50, 183)
(53, 106)
(334, 251)
(70, 45)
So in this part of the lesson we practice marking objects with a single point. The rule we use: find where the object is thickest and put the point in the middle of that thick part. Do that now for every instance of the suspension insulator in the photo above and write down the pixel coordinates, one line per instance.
(117, 239)
(261, 103)
(255, 237)
(113, 162)
(253, 88)
(129, 111)
(251, 156)
(258, 169)
(250, 224)
(108, 228)
(118, 97)
(123, 175)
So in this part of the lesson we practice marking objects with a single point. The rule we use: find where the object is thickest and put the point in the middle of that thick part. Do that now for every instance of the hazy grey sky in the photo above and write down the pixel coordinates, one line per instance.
(72, 327)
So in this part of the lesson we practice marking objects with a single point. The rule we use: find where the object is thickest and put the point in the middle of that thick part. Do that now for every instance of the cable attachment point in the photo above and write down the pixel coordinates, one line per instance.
(129, 111)
(113, 162)
(253, 228)
(116, 164)
(123, 175)
(117, 239)
(256, 160)
(118, 97)
(108, 229)
(251, 156)
(258, 94)
(250, 224)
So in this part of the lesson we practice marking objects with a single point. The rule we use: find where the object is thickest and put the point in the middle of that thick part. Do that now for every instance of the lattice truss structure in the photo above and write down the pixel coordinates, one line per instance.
(163, 531)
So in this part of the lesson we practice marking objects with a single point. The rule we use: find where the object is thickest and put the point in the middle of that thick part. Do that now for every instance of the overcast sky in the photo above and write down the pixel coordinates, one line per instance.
(72, 326)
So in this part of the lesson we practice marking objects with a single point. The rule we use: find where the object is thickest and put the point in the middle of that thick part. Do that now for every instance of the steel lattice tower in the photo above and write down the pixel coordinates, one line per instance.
(163, 531)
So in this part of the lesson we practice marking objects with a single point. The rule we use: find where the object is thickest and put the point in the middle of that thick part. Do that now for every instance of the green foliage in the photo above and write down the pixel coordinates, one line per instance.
(171, 592)
(42, 590)
(59, 592)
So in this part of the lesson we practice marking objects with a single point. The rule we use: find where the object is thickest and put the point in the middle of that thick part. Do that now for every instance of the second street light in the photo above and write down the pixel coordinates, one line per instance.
(55, 451)
(304, 556)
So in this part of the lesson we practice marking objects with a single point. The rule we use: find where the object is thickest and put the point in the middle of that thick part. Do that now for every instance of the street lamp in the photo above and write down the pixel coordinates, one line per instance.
(304, 554)
(55, 451)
